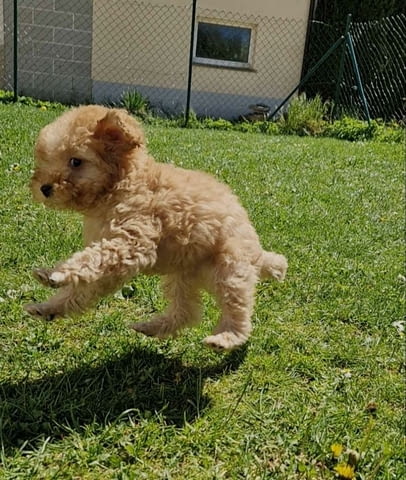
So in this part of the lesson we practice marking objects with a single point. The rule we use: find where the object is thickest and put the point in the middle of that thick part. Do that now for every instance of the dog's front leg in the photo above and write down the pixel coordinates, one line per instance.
(108, 258)
(67, 300)
(88, 275)
(74, 299)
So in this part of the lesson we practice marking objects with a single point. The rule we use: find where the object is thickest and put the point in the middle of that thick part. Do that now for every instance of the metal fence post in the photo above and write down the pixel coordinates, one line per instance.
(308, 75)
(189, 82)
(354, 62)
(15, 51)
(341, 67)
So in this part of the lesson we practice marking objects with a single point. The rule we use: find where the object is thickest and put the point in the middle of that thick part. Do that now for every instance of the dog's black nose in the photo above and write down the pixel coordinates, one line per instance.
(46, 190)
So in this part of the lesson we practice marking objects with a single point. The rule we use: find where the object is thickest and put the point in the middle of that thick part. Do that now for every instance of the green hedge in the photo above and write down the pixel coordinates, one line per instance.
(303, 117)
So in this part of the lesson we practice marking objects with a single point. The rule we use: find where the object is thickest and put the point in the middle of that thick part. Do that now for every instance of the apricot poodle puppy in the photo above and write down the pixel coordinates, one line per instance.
(148, 217)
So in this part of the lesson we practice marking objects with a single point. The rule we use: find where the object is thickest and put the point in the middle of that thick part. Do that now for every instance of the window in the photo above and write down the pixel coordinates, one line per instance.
(224, 45)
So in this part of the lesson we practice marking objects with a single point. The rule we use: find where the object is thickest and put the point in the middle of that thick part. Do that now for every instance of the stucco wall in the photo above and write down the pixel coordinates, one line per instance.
(146, 46)
(94, 50)
(277, 60)
(286, 9)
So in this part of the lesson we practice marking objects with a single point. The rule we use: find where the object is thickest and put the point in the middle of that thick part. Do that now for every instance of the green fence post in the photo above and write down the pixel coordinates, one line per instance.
(350, 45)
(341, 67)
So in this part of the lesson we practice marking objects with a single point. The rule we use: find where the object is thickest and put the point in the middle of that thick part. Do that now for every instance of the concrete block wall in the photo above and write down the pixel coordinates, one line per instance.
(2, 72)
(2, 83)
(54, 49)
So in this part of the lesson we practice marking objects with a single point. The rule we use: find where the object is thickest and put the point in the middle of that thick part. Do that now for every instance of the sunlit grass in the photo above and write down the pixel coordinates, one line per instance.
(87, 398)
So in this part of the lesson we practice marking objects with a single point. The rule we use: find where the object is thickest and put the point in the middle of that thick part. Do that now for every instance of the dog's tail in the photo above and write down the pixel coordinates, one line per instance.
(273, 265)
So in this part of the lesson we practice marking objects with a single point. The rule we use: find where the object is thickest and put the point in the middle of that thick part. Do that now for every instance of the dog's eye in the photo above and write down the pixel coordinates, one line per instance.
(75, 162)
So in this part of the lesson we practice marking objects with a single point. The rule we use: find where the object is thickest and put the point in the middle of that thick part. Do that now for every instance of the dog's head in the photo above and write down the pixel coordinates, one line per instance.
(83, 154)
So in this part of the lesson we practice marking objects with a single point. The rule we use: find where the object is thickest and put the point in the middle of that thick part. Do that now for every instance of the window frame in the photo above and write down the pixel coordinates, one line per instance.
(212, 62)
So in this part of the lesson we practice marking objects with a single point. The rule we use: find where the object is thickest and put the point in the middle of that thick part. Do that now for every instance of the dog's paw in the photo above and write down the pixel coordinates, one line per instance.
(42, 275)
(224, 341)
(159, 327)
(274, 265)
(41, 310)
(279, 267)
(49, 277)
(278, 274)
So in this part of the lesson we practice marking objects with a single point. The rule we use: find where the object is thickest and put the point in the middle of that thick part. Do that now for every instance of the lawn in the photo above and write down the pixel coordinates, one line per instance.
(87, 398)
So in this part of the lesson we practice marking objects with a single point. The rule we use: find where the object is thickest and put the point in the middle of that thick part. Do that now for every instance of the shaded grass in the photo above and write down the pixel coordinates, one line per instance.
(84, 398)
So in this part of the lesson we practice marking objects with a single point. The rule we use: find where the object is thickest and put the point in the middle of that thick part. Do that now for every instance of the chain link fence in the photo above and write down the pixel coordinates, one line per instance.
(97, 51)
(142, 47)
(278, 46)
(380, 48)
(48, 49)
(223, 64)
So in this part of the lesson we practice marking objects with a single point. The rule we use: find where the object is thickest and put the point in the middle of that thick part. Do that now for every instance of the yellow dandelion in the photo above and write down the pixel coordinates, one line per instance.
(337, 449)
(345, 471)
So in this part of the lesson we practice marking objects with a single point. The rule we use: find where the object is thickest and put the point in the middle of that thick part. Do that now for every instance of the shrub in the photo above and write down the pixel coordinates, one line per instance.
(352, 129)
(8, 97)
(390, 133)
(217, 124)
(304, 117)
(135, 103)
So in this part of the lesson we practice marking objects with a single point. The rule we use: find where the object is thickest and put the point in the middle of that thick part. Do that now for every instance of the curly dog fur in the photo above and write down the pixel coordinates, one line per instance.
(144, 216)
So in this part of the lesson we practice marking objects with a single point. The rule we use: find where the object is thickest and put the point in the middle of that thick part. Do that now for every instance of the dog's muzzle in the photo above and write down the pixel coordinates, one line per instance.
(46, 190)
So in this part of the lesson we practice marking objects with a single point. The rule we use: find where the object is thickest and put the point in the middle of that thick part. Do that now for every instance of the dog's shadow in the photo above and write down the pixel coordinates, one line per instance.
(136, 385)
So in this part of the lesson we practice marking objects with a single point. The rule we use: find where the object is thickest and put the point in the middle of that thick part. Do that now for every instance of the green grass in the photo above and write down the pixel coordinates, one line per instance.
(88, 399)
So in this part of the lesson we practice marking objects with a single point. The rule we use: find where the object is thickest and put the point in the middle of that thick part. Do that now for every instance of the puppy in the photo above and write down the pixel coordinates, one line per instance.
(144, 216)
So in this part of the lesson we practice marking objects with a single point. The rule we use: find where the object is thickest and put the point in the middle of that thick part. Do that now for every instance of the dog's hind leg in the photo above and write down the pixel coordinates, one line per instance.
(234, 287)
(184, 309)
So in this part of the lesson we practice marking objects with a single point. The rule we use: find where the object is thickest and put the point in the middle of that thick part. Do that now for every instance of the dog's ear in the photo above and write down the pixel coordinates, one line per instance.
(119, 132)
